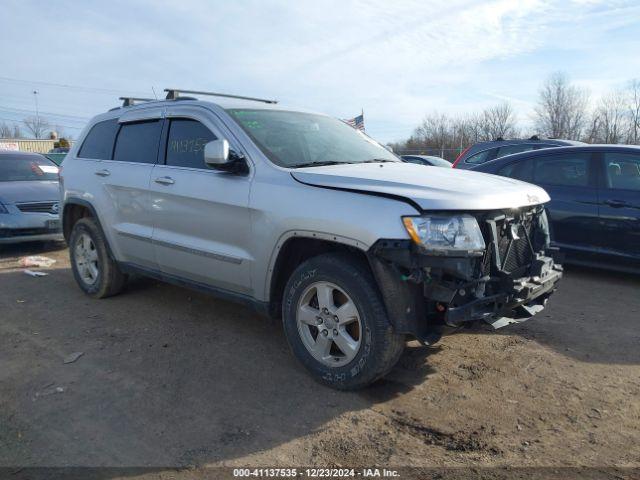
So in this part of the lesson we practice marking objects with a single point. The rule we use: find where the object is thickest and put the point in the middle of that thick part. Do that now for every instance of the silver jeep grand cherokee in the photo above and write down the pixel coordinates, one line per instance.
(304, 218)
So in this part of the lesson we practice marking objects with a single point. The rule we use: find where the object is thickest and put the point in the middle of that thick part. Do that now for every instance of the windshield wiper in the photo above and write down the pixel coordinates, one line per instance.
(379, 160)
(318, 164)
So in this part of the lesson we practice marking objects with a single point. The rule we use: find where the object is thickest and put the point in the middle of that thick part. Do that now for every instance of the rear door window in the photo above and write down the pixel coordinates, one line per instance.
(99, 141)
(622, 171)
(522, 170)
(185, 143)
(566, 169)
(138, 142)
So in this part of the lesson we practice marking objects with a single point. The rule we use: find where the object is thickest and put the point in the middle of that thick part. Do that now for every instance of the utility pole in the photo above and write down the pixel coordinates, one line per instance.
(35, 96)
(37, 132)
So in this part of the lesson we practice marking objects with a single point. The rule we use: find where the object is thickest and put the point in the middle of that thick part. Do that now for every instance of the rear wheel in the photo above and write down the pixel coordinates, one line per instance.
(96, 273)
(336, 323)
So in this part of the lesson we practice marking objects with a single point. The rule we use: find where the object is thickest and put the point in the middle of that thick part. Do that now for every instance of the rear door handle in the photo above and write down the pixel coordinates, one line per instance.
(103, 173)
(165, 180)
(616, 203)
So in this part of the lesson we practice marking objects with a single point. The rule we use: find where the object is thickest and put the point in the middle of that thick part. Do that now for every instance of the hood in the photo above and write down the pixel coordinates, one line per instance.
(30, 191)
(430, 188)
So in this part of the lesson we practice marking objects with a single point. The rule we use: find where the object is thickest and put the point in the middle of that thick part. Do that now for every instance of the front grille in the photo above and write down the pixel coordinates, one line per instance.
(519, 253)
(514, 232)
(39, 207)
(23, 232)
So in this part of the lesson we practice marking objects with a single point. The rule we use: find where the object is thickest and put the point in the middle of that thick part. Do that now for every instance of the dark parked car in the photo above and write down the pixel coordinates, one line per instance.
(483, 152)
(428, 160)
(595, 199)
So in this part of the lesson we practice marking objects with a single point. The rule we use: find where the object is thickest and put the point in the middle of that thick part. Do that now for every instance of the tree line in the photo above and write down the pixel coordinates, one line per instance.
(31, 127)
(563, 110)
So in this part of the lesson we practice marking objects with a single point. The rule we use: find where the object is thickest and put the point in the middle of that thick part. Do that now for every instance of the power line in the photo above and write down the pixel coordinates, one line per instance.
(51, 114)
(105, 91)
(56, 124)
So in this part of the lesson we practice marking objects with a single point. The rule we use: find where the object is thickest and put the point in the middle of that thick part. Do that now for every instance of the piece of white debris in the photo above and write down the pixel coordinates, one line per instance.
(73, 357)
(49, 391)
(37, 261)
(33, 273)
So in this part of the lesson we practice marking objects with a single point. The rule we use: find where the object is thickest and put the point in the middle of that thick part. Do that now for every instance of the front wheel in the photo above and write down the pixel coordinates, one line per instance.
(336, 323)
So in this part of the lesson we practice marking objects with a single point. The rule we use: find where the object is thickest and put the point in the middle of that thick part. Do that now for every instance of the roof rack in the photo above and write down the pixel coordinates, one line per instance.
(130, 101)
(174, 93)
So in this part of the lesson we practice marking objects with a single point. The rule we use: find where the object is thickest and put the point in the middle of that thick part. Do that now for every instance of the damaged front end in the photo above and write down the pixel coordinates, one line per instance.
(508, 281)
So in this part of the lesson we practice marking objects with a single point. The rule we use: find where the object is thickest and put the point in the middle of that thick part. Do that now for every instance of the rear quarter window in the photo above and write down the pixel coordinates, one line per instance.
(99, 141)
(481, 157)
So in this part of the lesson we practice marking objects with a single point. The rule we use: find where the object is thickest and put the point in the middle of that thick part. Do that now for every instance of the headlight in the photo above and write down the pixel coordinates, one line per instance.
(3, 209)
(443, 233)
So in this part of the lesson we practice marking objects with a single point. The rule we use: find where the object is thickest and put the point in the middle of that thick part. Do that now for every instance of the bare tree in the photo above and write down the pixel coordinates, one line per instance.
(633, 99)
(37, 126)
(5, 130)
(10, 131)
(440, 134)
(435, 130)
(610, 119)
(498, 122)
(562, 108)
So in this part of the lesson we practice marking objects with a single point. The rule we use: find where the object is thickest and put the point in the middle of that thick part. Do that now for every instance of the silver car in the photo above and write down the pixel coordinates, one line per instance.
(29, 198)
(306, 219)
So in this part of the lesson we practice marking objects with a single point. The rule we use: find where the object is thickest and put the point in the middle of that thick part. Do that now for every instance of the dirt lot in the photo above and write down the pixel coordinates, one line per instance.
(170, 377)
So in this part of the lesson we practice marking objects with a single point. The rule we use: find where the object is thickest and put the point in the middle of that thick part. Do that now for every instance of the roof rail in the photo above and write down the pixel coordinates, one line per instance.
(130, 101)
(174, 93)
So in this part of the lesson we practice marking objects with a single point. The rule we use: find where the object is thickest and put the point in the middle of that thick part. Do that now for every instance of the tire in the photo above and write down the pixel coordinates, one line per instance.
(96, 273)
(379, 347)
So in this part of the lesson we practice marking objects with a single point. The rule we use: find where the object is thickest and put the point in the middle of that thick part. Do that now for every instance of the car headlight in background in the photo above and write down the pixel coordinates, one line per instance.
(3, 209)
(445, 233)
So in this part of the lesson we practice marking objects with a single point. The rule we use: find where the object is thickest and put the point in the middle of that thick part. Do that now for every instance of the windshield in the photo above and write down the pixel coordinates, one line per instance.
(295, 139)
(16, 168)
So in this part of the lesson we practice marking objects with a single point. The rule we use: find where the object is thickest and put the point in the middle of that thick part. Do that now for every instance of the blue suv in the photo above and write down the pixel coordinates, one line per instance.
(594, 210)
(483, 152)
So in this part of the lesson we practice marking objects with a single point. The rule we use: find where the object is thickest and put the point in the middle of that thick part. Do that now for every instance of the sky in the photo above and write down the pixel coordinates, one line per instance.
(396, 61)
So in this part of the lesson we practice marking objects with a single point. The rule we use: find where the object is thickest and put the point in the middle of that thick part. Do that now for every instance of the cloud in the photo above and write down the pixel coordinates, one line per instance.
(397, 60)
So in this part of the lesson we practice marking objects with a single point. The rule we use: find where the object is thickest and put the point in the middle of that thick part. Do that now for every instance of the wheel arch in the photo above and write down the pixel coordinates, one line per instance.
(76, 208)
(297, 247)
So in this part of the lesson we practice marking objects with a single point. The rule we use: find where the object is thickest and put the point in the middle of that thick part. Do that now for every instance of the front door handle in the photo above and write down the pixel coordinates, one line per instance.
(165, 180)
(616, 203)
(103, 173)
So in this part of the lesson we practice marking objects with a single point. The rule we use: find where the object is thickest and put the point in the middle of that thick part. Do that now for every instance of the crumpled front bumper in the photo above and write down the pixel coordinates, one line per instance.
(425, 293)
(519, 301)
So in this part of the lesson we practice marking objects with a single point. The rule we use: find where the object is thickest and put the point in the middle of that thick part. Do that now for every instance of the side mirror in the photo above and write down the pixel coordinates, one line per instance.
(216, 153)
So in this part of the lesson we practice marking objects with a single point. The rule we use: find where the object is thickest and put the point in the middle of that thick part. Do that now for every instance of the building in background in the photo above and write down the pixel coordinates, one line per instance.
(28, 144)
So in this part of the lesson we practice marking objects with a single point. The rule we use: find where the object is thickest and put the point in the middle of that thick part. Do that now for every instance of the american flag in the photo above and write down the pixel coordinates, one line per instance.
(356, 122)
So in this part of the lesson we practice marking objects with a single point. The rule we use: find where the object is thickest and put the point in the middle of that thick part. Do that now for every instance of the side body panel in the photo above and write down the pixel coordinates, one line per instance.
(201, 217)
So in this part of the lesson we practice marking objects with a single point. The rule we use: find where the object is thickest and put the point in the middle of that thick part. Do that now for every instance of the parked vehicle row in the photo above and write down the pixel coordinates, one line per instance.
(305, 219)
(595, 199)
(483, 152)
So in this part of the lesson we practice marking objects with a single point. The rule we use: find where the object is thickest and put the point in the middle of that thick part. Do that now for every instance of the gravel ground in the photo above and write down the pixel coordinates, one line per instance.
(169, 377)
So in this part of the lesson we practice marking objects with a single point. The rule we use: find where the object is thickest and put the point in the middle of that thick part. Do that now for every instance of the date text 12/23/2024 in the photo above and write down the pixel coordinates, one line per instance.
(316, 472)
